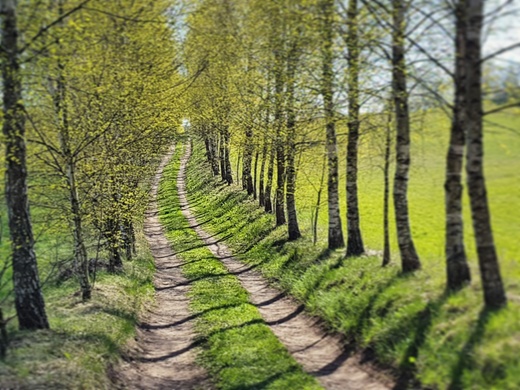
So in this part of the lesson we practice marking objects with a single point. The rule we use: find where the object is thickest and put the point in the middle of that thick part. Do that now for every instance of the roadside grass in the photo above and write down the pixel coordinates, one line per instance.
(406, 322)
(85, 339)
(238, 348)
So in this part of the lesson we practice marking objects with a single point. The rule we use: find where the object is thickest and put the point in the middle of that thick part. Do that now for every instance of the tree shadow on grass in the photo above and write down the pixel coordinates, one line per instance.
(421, 323)
(465, 358)
(191, 317)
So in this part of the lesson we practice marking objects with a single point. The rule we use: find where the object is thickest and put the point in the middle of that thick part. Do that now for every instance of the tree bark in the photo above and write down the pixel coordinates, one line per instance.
(255, 176)
(269, 184)
(457, 269)
(354, 239)
(261, 192)
(115, 262)
(4, 341)
(292, 217)
(318, 204)
(494, 294)
(80, 251)
(229, 176)
(214, 155)
(409, 258)
(335, 236)
(247, 177)
(29, 303)
(386, 195)
(222, 156)
(280, 149)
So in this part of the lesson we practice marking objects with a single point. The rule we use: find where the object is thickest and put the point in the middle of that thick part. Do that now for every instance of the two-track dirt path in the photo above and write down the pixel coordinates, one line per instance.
(164, 356)
(321, 354)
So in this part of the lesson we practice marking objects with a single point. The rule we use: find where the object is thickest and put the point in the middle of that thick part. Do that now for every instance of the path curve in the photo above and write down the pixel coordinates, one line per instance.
(321, 354)
(164, 357)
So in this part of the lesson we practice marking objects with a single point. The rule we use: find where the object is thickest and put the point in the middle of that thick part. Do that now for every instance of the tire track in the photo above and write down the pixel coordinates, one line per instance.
(321, 354)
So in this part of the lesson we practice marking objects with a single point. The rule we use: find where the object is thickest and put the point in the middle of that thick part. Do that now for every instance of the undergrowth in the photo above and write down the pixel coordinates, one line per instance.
(85, 339)
(238, 348)
(407, 322)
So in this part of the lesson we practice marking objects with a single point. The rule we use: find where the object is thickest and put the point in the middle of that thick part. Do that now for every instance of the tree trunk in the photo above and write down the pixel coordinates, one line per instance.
(409, 258)
(318, 203)
(222, 156)
(261, 194)
(214, 156)
(255, 177)
(354, 239)
(335, 237)
(292, 217)
(457, 269)
(128, 239)
(247, 177)
(4, 341)
(208, 150)
(386, 195)
(115, 262)
(280, 149)
(80, 251)
(238, 170)
(29, 303)
(269, 184)
(229, 176)
(494, 294)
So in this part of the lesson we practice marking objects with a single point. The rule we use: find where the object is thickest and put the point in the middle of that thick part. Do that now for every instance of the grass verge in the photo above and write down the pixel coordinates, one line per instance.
(238, 348)
(407, 322)
(84, 339)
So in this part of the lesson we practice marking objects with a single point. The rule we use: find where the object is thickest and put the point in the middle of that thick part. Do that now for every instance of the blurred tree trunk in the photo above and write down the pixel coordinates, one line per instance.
(494, 294)
(222, 156)
(269, 184)
(280, 139)
(457, 269)
(293, 228)
(255, 175)
(335, 236)
(247, 177)
(261, 191)
(354, 239)
(386, 196)
(29, 303)
(409, 258)
(227, 161)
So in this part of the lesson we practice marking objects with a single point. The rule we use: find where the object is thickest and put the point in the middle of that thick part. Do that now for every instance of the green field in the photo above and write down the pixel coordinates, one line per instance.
(407, 322)
(426, 192)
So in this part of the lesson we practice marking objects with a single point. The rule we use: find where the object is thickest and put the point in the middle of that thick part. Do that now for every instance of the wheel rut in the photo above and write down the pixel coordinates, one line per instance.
(321, 354)
(165, 351)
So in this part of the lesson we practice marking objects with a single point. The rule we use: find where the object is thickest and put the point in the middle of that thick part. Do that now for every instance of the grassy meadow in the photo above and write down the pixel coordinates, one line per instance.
(405, 322)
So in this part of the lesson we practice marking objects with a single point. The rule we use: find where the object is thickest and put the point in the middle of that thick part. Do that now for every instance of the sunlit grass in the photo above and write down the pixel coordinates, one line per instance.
(238, 350)
(407, 322)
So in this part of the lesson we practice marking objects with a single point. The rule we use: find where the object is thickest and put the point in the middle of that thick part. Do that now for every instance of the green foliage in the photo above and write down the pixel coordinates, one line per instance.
(407, 321)
(238, 348)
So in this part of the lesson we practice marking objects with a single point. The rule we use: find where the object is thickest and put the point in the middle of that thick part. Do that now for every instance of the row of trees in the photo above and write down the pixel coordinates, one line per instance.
(273, 69)
(88, 91)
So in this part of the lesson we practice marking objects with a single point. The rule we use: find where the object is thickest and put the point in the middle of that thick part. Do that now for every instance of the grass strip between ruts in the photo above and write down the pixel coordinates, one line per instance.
(238, 348)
